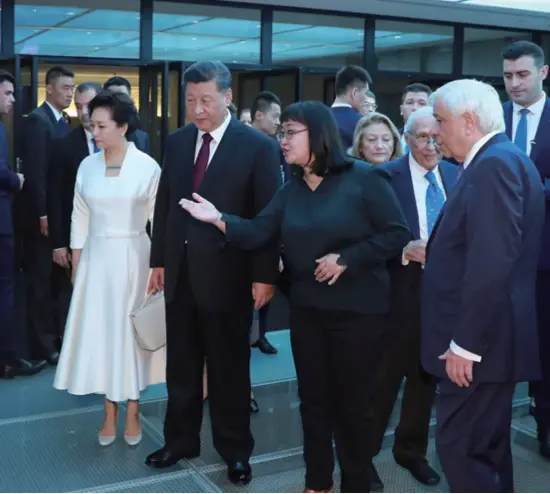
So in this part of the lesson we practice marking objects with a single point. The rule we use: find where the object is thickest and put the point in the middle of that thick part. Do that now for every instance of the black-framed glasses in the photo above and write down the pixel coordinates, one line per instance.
(288, 134)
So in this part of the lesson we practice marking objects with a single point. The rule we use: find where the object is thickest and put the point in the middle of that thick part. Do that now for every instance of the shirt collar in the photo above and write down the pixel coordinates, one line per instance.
(536, 108)
(218, 133)
(477, 146)
(89, 135)
(341, 105)
(418, 171)
(56, 113)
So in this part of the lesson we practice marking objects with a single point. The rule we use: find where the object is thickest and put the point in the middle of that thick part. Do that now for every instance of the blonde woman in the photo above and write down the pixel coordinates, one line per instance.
(376, 140)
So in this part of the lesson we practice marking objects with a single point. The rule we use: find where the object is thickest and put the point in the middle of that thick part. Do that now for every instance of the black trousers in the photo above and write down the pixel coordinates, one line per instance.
(8, 341)
(48, 295)
(262, 320)
(540, 390)
(333, 354)
(473, 436)
(400, 358)
(222, 338)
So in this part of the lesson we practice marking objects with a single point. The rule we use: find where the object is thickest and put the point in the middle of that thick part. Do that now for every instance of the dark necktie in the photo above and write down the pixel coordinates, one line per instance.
(202, 162)
(63, 126)
(460, 172)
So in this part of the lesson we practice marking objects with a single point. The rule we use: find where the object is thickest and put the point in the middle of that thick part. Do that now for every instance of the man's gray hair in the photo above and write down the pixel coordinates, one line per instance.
(94, 86)
(471, 96)
(426, 111)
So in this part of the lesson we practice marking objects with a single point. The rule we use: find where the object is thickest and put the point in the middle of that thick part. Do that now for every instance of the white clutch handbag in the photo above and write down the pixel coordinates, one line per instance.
(149, 321)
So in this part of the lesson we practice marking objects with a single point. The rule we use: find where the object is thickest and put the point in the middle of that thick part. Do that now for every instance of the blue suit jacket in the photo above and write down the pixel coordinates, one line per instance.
(403, 187)
(9, 183)
(346, 119)
(540, 155)
(479, 281)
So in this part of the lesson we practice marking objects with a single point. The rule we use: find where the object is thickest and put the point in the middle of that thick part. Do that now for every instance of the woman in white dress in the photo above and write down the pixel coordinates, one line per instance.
(114, 199)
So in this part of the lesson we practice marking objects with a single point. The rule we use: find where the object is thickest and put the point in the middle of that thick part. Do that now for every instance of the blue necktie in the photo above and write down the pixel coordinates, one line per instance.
(521, 132)
(63, 126)
(435, 199)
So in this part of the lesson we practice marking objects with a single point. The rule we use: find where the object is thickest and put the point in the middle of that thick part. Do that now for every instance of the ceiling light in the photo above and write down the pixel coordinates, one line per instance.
(89, 32)
(34, 10)
(398, 36)
(70, 14)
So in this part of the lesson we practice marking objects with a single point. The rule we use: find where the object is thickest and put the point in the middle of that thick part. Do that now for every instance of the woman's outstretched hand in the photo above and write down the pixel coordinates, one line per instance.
(201, 209)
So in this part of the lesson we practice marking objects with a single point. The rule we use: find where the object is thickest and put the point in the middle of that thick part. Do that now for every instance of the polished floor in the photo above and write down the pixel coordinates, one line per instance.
(48, 442)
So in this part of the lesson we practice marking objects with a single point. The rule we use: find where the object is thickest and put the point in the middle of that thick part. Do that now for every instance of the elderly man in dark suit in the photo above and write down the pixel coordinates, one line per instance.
(11, 364)
(527, 118)
(209, 286)
(67, 155)
(41, 128)
(422, 182)
(479, 328)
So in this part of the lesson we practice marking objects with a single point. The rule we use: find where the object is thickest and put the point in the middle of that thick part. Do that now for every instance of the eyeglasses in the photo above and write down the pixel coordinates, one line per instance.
(371, 106)
(424, 141)
(288, 134)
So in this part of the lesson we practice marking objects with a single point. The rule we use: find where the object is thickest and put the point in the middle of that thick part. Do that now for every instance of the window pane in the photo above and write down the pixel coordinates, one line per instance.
(483, 48)
(317, 40)
(200, 32)
(89, 28)
(409, 46)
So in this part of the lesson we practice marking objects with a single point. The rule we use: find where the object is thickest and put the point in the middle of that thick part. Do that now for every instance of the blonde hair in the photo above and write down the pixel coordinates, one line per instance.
(364, 123)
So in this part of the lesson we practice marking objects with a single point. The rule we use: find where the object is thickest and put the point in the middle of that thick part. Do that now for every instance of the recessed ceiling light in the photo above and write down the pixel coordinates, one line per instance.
(34, 10)
(234, 61)
(398, 36)
(195, 22)
(89, 32)
(70, 13)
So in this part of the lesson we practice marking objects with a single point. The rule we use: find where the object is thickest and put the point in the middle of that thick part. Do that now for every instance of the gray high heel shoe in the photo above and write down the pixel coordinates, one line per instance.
(133, 440)
(105, 441)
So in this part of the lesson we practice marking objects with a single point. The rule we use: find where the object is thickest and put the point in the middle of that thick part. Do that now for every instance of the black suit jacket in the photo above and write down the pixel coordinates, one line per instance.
(9, 183)
(67, 155)
(479, 281)
(141, 140)
(40, 130)
(243, 176)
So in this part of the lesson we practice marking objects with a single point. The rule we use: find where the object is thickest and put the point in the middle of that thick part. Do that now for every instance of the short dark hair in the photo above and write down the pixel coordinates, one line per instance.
(122, 108)
(524, 49)
(232, 108)
(324, 137)
(118, 81)
(351, 76)
(57, 72)
(208, 72)
(416, 87)
(263, 102)
(94, 86)
(370, 94)
(5, 76)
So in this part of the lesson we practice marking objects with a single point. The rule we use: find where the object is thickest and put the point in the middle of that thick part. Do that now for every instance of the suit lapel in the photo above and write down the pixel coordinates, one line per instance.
(402, 182)
(220, 164)
(82, 148)
(187, 152)
(48, 111)
(508, 118)
(449, 176)
(543, 131)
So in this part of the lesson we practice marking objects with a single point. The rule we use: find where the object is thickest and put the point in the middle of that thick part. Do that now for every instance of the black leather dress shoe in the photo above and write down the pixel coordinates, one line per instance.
(53, 359)
(421, 471)
(376, 483)
(543, 435)
(239, 473)
(254, 407)
(21, 367)
(164, 457)
(265, 347)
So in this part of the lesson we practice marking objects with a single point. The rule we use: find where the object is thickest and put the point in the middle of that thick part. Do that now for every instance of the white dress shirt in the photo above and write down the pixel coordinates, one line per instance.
(341, 105)
(216, 134)
(89, 141)
(420, 186)
(533, 120)
(461, 352)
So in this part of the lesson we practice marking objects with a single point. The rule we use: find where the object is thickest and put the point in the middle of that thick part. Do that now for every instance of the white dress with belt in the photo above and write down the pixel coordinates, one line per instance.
(100, 354)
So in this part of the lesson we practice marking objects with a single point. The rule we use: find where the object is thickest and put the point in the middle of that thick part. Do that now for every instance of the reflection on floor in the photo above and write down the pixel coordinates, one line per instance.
(48, 442)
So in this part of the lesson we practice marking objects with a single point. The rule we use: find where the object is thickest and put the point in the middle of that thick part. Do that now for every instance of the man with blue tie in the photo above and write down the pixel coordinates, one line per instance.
(41, 128)
(68, 152)
(11, 364)
(527, 118)
(479, 328)
(421, 181)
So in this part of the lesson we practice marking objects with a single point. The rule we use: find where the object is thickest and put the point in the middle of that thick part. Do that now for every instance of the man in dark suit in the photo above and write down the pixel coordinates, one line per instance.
(47, 282)
(479, 328)
(139, 137)
(67, 155)
(266, 114)
(209, 286)
(422, 182)
(11, 363)
(414, 96)
(351, 87)
(527, 118)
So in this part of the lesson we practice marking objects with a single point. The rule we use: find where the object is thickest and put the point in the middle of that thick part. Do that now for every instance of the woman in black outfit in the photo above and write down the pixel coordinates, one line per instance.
(339, 222)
